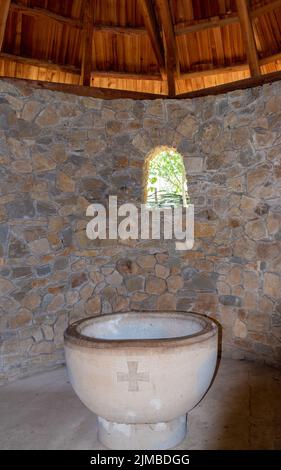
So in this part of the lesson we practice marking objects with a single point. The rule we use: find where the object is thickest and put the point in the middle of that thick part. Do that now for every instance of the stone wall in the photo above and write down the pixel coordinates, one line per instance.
(59, 152)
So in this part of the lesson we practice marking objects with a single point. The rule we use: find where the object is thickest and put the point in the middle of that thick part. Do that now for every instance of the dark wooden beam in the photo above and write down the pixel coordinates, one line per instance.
(151, 26)
(37, 12)
(137, 31)
(46, 64)
(88, 29)
(172, 64)
(109, 94)
(273, 5)
(4, 11)
(93, 92)
(127, 75)
(270, 58)
(194, 26)
(238, 85)
(17, 43)
(248, 36)
(211, 70)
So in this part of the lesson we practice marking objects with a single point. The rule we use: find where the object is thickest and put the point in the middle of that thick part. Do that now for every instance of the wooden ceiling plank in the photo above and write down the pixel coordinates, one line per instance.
(172, 63)
(248, 35)
(151, 26)
(4, 11)
(181, 28)
(44, 13)
(87, 38)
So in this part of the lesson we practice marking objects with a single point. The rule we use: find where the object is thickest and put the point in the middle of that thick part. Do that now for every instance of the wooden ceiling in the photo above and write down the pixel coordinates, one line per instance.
(160, 47)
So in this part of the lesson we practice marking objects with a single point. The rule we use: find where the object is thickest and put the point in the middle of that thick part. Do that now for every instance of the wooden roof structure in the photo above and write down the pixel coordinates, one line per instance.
(141, 48)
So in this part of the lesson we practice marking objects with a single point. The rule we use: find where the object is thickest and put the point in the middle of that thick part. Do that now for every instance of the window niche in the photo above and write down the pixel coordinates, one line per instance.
(165, 182)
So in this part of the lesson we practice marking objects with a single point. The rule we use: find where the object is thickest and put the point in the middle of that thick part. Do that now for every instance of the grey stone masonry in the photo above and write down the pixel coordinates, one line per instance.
(61, 152)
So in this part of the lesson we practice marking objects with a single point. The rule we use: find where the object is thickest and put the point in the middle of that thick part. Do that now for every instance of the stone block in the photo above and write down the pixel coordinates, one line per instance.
(272, 285)
(21, 319)
(42, 163)
(155, 285)
(188, 127)
(202, 282)
(230, 300)
(114, 279)
(31, 300)
(20, 208)
(65, 183)
(21, 271)
(146, 261)
(6, 286)
(193, 165)
(44, 347)
(78, 279)
(39, 247)
(166, 302)
(204, 230)
(162, 271)
(93, 306)
(135, 283)
(240, 329)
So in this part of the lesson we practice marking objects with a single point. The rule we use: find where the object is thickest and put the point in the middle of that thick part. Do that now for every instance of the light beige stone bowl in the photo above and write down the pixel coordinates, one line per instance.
(141, 373)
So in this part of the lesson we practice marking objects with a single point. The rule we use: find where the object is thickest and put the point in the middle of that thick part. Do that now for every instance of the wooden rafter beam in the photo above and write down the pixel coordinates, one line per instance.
(94, 92)
(47, 64)
(37, 12)
(4, 11)
(107, 93)
(238, 85)
(172, 63)
(273, 5)
(194, 26)
(207, 71)
(151, 26)
(17, 43)
(269, 59)
(40, 63)
(126, 75)
(211, 70)
(88, 29)
(248, 35)
(129, 31)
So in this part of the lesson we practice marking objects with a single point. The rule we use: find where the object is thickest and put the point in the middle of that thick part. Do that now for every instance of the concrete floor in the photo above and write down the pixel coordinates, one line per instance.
(241, 411)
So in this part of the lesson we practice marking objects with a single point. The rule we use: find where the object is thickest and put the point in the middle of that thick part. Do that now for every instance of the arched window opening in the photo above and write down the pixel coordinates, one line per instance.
(165, 179)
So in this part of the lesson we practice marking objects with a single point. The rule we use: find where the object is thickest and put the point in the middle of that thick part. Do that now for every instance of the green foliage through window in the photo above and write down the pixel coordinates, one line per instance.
(166, 180)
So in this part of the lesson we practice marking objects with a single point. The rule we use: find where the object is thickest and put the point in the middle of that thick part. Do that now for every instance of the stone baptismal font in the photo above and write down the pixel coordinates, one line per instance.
(141, 373)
